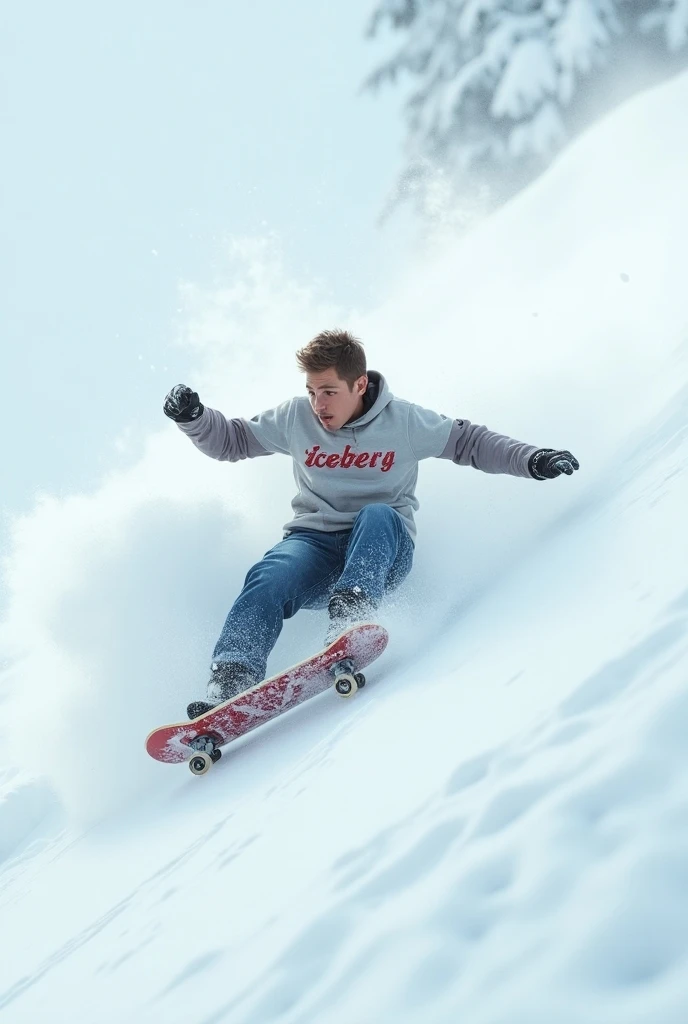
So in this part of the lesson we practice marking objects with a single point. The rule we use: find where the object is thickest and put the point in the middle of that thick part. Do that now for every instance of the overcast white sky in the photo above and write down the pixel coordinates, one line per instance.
(138, 138)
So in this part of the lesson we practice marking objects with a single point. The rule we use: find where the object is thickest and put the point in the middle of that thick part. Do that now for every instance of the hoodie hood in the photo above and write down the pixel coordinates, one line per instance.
(377, 397)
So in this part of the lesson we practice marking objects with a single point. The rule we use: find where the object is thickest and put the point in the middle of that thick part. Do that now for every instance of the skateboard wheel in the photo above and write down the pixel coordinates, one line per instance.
(346, 685)
(215, 756)
(360, 679)
(200, 763)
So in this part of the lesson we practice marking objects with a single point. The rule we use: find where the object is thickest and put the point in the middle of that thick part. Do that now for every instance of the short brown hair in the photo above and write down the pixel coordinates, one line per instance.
(336, 350)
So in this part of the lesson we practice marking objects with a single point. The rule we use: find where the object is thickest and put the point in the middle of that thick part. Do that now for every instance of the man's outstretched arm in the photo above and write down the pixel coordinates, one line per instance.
(212, 433)
(470, 444)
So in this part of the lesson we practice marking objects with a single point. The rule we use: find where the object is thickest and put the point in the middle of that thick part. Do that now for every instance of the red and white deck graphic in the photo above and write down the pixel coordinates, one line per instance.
(363, 644)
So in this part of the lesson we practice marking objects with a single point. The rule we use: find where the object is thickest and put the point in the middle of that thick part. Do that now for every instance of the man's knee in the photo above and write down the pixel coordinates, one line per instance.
(378, 512)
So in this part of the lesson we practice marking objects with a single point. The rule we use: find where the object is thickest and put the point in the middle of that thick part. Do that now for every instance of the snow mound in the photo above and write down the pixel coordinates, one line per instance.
(25, 804)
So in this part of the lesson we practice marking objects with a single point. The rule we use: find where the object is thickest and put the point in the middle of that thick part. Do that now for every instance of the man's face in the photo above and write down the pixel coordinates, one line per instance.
(332, 401)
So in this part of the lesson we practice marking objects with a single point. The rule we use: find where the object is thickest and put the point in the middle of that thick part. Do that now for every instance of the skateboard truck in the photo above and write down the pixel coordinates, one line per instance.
(346, 680)
(207, 753)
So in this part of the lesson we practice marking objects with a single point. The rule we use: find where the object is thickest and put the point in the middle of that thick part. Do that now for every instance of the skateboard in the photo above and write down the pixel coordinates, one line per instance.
(198, 741)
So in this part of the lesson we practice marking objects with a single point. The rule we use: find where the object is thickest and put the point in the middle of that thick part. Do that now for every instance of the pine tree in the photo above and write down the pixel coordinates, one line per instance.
(505, 83)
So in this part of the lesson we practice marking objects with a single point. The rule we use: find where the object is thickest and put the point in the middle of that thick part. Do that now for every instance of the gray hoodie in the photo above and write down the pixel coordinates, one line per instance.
(372, 459)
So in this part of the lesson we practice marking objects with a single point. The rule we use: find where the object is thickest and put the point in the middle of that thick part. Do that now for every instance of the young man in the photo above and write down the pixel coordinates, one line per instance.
(355, 449)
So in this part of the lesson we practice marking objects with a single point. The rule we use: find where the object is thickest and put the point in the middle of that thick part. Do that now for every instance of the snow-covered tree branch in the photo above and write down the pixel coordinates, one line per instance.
(501, 85)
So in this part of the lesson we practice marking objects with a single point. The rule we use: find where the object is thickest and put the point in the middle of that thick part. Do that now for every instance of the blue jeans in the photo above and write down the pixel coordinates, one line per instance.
(304, 570)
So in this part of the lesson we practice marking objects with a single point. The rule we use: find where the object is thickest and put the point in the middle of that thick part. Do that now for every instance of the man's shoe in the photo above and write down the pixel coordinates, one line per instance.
(227, 680)
(347, 608)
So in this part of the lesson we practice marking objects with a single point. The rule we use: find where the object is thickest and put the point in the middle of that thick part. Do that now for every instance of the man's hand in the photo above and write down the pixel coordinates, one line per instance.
(182, 404)
(546, 463)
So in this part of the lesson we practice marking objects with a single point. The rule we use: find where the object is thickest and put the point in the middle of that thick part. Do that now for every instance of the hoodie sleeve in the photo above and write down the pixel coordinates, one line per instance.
(222, 438)
(427, 432)
(469, 444)
(272, 428)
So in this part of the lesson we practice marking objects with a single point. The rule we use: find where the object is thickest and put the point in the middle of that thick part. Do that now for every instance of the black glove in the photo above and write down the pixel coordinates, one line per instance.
(182, 404)
(546, 463)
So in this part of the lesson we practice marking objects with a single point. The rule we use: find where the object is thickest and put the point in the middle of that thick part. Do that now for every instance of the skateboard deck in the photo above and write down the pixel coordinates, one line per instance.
(198, 740)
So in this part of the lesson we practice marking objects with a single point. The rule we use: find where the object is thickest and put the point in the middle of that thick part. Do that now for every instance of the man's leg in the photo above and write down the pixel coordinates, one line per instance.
(274, 590)
(379, 554)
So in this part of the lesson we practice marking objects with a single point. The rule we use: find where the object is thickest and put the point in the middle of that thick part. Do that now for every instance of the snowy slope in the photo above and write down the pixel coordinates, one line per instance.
(495, 830)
